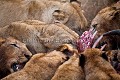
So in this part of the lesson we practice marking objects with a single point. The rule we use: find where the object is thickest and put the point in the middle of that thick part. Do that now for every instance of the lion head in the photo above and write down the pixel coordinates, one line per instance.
(106, 20)
(13, 56)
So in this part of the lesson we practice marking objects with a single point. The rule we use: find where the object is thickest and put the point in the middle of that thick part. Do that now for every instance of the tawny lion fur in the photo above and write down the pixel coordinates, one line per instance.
(106, 20)
(96, 67)
(40, 67)
(68, 13)
(12, 51)
(70, 70)
(41, 36)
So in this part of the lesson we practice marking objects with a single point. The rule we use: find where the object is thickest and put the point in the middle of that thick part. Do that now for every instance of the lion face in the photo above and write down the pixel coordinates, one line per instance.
(13, 55)
(106, 20)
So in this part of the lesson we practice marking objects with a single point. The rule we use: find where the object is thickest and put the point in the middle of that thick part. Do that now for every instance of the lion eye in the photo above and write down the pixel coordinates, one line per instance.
(14, 45)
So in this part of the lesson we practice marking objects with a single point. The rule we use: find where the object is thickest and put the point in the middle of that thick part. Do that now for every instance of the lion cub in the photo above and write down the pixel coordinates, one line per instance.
(96, 66)
(70, 70)
(40, 67)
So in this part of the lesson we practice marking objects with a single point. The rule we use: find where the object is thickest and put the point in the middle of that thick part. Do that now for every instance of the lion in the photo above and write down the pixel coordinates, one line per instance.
(91, 8)
(96, 66)
(41, 36)
(70, 70)
(68, 13)
(41, 66)
(13, 56)
(106, 20)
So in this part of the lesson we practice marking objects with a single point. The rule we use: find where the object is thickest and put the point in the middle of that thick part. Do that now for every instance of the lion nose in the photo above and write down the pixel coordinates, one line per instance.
(27, 56)
(94, 26)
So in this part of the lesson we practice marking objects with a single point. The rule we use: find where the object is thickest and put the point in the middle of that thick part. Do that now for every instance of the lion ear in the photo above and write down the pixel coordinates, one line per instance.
(67, 49)
(116, 15)
(60, 16)
(75, 1)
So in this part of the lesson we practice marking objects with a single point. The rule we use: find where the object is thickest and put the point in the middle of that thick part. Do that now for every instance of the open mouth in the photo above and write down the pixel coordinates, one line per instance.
(17, 66)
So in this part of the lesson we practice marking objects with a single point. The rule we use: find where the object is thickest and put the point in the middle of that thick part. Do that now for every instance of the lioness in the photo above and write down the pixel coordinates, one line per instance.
(106, 20)
(68, 13)
(41, 36)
